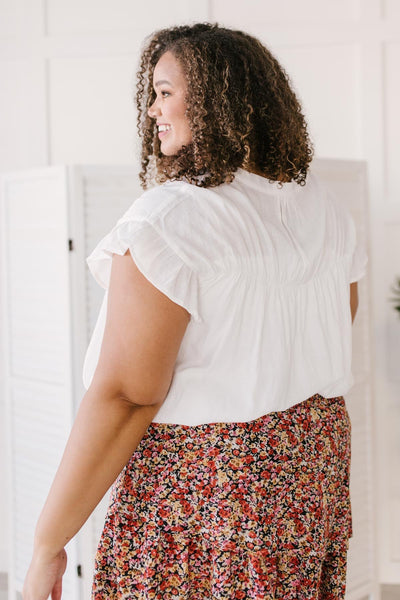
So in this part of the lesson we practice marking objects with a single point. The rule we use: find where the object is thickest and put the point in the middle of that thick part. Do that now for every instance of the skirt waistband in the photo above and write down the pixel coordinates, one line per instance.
(317, 406)
(284, 433)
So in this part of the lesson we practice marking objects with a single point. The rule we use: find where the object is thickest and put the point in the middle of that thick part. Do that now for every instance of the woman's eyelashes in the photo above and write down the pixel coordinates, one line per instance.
(162, 93)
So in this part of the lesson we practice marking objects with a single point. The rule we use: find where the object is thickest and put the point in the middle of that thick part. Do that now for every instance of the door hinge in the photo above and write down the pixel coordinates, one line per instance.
(70, 245)
(79, 570)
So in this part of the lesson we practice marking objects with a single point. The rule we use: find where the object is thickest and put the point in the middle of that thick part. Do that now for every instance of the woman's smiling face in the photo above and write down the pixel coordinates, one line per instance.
(169, 107)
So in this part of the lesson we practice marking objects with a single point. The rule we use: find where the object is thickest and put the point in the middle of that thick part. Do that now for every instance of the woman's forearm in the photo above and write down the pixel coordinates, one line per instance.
(105, 433)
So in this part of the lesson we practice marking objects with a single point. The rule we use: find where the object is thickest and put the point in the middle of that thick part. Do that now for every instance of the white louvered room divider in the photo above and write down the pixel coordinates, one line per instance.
(51, 219)
(348, 181)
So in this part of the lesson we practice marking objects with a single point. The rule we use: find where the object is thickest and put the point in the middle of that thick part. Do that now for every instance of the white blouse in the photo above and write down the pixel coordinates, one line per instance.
(264, 272)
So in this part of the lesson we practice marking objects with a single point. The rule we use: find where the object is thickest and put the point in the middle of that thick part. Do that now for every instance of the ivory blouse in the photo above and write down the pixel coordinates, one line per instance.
(264, 272)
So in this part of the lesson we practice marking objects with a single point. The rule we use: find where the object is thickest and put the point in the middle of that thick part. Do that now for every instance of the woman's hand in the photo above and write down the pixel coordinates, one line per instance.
(44, 577)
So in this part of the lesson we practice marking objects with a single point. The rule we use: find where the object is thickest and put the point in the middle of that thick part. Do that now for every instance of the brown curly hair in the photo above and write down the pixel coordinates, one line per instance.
(241, 110)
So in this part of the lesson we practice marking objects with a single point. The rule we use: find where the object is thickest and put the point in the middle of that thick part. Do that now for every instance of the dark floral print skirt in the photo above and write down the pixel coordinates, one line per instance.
(254, 510)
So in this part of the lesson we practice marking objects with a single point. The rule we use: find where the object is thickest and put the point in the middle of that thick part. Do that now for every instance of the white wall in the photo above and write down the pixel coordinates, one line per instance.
(67, 68)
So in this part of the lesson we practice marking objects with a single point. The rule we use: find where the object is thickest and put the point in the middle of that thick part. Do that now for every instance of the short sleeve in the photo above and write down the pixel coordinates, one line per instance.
(359, 263)
(154, 257)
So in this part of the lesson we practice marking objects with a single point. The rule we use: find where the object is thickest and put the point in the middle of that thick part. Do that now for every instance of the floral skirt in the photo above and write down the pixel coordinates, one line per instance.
(254, 510)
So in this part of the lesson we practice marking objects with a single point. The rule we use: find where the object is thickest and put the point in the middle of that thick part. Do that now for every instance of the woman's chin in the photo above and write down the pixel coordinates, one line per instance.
(171, 149)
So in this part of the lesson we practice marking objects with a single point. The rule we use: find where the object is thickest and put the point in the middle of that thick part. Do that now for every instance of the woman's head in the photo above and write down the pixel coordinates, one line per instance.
(227, 104)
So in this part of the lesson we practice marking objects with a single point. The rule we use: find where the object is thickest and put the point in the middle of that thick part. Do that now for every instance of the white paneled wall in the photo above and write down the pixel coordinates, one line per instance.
(85, 94)
(327, 106)
(67, 71)
(23, 106)
(286, 11)
(76, 16)
(391, 62)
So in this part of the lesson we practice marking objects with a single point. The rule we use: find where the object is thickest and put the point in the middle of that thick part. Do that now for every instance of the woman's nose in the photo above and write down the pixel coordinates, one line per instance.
(153, 110)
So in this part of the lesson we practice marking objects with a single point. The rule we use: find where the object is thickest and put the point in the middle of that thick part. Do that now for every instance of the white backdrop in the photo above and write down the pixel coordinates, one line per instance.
(67, 71)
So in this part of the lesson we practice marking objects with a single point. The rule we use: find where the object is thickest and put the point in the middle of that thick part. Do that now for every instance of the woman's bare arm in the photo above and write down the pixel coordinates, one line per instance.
(106, 432)
(353, 299)
(142, 337)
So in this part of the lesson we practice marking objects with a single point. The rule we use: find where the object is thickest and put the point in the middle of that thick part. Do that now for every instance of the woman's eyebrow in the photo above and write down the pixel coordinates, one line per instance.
(162, 82)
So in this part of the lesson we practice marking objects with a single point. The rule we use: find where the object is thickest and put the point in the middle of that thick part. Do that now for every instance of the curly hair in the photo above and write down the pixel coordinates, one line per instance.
(241, 110)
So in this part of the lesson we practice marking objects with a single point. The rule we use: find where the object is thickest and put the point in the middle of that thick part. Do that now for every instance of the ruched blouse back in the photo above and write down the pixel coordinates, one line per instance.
(264, 270)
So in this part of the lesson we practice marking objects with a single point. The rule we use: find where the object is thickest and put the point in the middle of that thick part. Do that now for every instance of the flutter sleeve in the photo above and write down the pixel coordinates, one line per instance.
(152, 250)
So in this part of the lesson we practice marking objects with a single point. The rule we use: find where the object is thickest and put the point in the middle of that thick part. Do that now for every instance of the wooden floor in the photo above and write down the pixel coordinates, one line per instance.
(390, 592)
(3, 586)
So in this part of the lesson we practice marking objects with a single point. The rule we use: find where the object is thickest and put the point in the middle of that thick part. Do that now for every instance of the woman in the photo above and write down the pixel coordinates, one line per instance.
(216, 372)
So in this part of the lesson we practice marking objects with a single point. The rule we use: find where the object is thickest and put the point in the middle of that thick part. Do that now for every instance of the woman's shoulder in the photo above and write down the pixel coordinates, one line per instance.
(159, 200)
